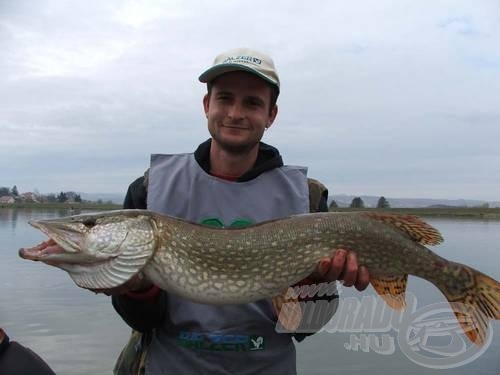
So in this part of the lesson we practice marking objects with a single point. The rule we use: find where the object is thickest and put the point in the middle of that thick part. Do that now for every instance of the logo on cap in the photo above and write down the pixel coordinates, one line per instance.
(242, 59)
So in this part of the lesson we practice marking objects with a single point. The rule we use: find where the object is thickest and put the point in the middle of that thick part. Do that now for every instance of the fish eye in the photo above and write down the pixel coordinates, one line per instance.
(89, 223)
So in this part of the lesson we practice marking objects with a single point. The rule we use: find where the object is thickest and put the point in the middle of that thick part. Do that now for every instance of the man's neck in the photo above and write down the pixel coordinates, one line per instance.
(224, 163)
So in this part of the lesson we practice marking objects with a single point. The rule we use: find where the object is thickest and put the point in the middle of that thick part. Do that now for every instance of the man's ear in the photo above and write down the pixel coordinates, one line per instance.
(206, 101)
(272, 116)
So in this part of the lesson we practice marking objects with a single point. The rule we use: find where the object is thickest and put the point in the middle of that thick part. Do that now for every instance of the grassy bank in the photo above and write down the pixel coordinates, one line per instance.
(64, 206)
(457, 212)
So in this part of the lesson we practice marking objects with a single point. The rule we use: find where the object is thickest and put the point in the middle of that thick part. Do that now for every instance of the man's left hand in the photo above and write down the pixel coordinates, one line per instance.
(342, 265)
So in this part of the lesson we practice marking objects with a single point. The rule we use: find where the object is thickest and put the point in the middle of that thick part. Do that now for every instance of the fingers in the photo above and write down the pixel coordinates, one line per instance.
(136, 284)
(323, 267)
(350, 271)
(338, 264)
(363, 278)
(343, 265)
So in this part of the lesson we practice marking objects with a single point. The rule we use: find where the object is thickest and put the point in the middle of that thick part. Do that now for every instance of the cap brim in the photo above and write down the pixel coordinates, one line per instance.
(215, 71)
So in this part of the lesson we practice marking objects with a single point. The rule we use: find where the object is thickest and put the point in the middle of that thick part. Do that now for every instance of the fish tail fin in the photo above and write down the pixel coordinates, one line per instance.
(474, 297)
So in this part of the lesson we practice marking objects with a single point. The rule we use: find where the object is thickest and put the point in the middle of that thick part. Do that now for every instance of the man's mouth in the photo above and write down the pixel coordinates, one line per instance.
(238, 127)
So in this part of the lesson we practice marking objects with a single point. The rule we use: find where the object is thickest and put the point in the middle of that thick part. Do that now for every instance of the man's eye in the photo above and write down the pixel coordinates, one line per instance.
(254, 103)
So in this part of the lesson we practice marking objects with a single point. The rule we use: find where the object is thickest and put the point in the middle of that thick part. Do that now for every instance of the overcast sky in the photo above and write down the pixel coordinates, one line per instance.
(394, 98)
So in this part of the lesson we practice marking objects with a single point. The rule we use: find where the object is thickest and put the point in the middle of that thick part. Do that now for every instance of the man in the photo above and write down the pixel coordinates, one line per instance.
(232, 179)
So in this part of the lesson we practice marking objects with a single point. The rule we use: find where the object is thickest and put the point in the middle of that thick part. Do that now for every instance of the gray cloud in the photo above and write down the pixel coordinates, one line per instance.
(389, 98)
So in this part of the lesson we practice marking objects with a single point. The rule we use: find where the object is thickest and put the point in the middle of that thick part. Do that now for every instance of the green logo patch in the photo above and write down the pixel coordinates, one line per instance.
(218, 223)
(220, 342)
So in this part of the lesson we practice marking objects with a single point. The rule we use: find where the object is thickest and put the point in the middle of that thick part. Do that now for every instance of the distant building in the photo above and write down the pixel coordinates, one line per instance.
(29, 197)
(6, 199)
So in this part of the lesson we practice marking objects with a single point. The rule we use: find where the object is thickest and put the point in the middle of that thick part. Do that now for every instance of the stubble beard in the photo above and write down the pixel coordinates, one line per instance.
(232, 148)
(235, 149)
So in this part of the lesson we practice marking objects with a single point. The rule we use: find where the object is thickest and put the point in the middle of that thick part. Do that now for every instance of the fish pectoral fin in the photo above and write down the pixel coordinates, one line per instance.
(418, 230)
(288, 311)
(392, 289)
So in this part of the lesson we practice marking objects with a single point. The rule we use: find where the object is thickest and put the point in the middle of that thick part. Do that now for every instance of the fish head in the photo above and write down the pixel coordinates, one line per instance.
(92, 238)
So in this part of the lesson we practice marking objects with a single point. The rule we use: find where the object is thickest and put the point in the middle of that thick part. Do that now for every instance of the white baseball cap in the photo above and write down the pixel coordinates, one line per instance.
(243, 59)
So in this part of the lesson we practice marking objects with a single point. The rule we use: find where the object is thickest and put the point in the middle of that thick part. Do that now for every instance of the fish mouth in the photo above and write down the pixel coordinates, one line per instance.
(64, 242)
(41, 252)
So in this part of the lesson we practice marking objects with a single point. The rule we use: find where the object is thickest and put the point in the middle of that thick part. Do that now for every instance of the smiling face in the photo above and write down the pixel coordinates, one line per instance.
(238, 109)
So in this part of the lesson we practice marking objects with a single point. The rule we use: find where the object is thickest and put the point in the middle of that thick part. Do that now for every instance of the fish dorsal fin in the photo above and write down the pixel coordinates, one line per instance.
(416, 228)
(392, 289)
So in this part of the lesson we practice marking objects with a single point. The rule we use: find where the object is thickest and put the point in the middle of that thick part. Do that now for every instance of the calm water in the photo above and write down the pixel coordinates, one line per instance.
(78, 332)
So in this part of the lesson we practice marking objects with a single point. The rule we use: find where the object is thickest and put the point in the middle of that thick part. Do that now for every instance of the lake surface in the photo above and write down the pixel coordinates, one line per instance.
(78, 332)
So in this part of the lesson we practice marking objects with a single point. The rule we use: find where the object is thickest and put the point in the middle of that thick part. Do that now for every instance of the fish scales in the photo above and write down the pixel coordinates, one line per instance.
(282, 252)
(217, 266)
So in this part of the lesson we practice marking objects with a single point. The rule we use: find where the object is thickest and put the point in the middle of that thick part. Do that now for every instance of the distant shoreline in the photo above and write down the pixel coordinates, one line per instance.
(455, 212)
(67, 206)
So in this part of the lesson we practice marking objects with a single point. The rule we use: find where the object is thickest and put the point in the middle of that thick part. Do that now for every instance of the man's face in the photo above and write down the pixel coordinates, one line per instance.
(238, 111)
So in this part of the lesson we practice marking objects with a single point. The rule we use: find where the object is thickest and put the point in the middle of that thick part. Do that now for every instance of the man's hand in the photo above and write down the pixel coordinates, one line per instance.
(136, 284)
(342, 265)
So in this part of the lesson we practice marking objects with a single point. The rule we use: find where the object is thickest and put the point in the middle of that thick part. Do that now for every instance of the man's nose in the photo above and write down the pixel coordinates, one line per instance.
(236, 111)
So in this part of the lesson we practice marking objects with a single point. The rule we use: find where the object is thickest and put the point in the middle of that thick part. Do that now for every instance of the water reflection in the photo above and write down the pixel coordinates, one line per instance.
(72, 329)
(8, 218)
(473, 242)
(78, 332)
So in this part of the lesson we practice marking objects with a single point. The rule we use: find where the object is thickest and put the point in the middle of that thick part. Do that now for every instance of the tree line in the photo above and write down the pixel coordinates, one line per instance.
(62, 197)
(357, 202)
(5, 191)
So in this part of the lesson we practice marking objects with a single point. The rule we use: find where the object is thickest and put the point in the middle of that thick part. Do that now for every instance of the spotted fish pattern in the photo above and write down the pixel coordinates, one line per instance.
(219, 266)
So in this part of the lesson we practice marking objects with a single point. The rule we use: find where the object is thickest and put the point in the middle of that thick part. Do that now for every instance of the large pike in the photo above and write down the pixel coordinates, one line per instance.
(216, 266)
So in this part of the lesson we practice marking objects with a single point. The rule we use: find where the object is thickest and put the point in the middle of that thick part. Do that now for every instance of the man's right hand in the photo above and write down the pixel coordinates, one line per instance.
(136, 284)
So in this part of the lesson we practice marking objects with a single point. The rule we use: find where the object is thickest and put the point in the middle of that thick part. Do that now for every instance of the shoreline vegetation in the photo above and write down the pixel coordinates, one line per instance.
(456, 212)
(65, 206)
